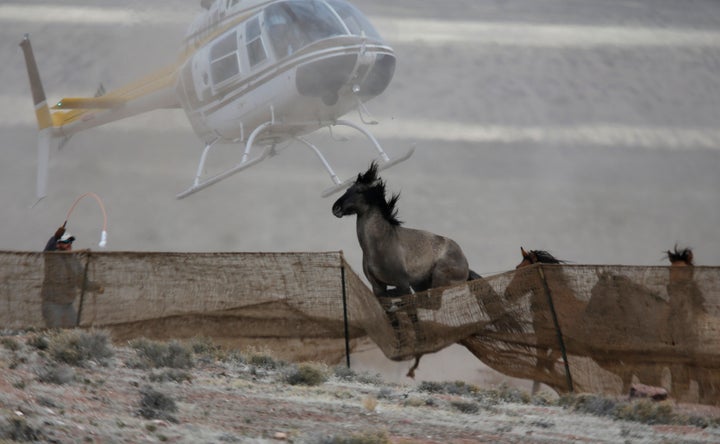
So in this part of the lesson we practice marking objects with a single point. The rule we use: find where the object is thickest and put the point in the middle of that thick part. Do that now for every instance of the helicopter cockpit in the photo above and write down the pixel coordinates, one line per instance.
(295, 24)
(280, 56)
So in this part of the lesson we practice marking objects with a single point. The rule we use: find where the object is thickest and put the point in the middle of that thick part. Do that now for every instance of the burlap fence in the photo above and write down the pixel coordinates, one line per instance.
(573, 327)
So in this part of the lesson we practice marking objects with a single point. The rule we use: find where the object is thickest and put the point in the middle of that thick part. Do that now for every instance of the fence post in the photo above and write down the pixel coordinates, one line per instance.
(561, 341)
(345, 312)
(82, 290)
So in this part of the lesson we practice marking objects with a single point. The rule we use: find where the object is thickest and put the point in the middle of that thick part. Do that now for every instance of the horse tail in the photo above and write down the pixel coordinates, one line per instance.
(473, 276)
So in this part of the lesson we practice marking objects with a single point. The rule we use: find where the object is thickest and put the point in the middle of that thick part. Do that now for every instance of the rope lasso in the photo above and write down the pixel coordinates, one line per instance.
(103, 235)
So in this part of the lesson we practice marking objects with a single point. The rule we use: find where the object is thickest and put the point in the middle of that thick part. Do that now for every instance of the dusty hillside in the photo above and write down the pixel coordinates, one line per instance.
(77, 386)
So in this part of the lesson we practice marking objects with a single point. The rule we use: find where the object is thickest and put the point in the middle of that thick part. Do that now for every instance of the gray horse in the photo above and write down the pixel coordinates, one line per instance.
(409, 260)
(394, 256)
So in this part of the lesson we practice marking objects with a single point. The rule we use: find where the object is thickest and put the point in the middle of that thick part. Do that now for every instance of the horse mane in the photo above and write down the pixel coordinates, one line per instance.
(544, 257)
(369, 176)
(376, 194)
(680, 255)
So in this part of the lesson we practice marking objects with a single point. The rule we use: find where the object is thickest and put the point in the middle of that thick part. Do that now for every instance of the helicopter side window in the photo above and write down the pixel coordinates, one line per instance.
(224, 59)
(283, 35)
(355, 21)
(255, 48)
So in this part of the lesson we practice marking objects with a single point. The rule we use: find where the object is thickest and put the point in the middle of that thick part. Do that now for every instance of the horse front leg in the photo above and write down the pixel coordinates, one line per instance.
(411, 310)
(384, 296)
(382, 292)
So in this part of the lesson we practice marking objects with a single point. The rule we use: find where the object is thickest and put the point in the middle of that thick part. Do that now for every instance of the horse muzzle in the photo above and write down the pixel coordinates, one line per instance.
(338, 211)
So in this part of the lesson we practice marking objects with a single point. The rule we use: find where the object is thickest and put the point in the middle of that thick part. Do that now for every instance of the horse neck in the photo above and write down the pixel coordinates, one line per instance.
(373, 229)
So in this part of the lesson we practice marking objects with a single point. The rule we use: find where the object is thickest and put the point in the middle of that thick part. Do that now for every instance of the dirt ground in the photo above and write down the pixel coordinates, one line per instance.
(251, 397)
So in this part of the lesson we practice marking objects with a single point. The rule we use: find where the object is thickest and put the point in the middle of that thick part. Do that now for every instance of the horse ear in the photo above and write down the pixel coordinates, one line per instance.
(523, 252)
(369, 176)
(372, 172)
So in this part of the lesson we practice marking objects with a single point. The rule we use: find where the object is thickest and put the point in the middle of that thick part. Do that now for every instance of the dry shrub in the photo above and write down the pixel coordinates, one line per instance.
(53, 373)
(307, 374)
(77, 347)
(385, 393)
(370, 403)
(347, 374)
(414, 401)
(153, 354)
(590, 403)
(206, 350)
(39, 341)
(505, 393)
(465, 406)
(10, 343)
(644, 410)
(263, 359)
(379, 437)
(17, 429)
(171, 374)
(344, 373)
(156, 405)
(448, 388)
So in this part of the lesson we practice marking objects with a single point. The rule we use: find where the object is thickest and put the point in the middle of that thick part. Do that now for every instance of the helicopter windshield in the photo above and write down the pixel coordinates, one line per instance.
(355, 21)
(294, 24)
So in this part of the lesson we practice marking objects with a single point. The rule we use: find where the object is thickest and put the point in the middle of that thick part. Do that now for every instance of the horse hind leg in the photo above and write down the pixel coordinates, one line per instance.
(411, 372)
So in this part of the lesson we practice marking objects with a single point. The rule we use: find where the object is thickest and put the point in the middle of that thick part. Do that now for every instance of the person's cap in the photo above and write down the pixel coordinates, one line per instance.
(66, 238)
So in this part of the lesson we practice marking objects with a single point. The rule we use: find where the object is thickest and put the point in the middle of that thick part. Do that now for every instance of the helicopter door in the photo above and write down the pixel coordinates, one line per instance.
(194, 82)
(202, 77)
(256, 52)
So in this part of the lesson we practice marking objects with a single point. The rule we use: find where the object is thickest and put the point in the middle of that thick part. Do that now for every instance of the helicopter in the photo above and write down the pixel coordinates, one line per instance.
(258, 73)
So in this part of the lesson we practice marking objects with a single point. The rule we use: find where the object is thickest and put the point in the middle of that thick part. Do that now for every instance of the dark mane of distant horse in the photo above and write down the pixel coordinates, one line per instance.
(376, 194)
(681, 255)
(544, 257)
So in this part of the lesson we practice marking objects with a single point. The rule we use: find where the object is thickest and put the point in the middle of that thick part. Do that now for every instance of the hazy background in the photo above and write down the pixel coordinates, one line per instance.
(587, 128)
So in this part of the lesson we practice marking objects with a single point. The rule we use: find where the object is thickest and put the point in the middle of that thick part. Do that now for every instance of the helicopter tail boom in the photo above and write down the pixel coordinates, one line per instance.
(71, 115)
(43, 116)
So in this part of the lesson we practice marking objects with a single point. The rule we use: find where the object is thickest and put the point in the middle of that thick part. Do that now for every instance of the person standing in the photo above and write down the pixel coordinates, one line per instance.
(63, 282)
(52, 243)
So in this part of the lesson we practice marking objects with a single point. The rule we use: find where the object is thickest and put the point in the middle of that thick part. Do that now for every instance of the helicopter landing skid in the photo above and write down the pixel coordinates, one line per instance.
(245, 162)
(385, 161)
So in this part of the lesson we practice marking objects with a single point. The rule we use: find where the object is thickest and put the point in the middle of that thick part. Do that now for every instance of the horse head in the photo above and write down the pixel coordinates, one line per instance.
(367, 192)
(680, 257)
(681, 264)
(536, 256)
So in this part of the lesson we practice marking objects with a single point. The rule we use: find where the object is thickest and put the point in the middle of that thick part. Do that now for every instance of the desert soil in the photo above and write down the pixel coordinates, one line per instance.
(228, 397)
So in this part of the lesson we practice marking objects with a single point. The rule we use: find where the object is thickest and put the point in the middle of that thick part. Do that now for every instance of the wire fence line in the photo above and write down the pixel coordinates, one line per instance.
(595, 328)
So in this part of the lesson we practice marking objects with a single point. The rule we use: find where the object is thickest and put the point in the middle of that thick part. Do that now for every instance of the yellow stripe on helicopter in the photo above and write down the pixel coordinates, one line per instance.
(71, 109)
(102, 102)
